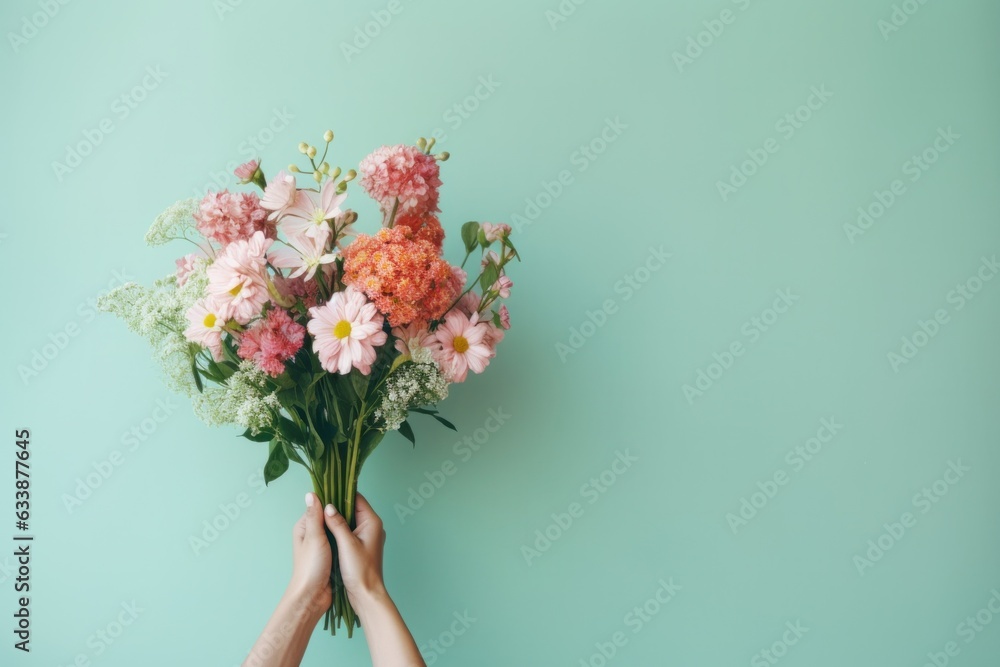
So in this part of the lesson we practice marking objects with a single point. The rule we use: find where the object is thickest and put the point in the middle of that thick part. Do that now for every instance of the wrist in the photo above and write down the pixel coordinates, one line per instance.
(370, 599)
(306, 605)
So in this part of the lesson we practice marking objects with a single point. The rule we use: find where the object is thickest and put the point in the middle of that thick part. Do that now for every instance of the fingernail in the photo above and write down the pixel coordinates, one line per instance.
(309, 500)
(331, 510)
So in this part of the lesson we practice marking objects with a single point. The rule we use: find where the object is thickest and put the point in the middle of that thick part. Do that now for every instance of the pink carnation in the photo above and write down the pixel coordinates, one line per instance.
(495, 232)
(502, 287)
(227, 216)
(404, 174)
(245, 171)
(186, 265)
(272, 341)
(504, 317)
(469, 303)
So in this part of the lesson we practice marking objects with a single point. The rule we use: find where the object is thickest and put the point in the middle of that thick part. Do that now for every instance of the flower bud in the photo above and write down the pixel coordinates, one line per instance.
(325, 167)
(350, 175)
(421, 143)
(311, 151)
(318, 176)
(336, 173)
(292, 168)
(303, 147)
(328, 136)
(442, 156)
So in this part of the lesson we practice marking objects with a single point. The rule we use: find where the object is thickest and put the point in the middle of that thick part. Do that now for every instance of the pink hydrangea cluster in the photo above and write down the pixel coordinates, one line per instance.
(272, 341)
(403, 174)
(227, 216)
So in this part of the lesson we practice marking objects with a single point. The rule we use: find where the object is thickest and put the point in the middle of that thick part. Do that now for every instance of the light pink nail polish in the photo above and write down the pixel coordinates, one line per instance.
(309, 500)
(331, 510)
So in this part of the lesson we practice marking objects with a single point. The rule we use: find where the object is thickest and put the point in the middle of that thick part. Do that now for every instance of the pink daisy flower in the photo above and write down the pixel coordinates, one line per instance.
(237, 278)
(415, 341)
(346, 330)
(272, 341)
(463, 345)
(311, 213)
(304, 254)
(207, 317)
(404, 174)
(280, 195)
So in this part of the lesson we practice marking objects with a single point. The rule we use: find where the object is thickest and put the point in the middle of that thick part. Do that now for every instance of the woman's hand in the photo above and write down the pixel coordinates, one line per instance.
(360, 552)
(309, 595)
(311, 558)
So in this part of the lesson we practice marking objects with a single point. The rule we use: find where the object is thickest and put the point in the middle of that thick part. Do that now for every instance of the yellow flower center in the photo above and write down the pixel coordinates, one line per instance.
(236, 290)
(209, 321)
(343, 329)
(460, 344)
(319, 216)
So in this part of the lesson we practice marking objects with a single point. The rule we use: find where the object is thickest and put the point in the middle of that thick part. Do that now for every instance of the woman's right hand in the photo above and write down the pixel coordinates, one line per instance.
(360, 552)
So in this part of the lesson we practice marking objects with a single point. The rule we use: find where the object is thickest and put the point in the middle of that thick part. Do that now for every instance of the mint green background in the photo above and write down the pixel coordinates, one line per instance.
(655, 185)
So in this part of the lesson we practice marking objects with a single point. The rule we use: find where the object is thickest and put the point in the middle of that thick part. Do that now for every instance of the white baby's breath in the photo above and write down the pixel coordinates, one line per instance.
(157, 314)
(244, 400)
(412, 385)
(173, 222)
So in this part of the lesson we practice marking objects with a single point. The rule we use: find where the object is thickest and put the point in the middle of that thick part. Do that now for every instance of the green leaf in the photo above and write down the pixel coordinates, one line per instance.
(360, 383)
(277, 463)
(229, 352)
(325, 430)
(510, 245)
(290, 431)
(263, 436)
(470, 235)
(369, 442)
(490, 274)
(483, 242)
(292, 454)
(444, 422)
(197, 376)
(222, 371)
(434, 413)
(407, 432)
(497, 322)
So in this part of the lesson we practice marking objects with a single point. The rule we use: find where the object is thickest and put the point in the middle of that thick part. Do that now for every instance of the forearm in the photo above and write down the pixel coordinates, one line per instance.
(286, 635)
(389, 640)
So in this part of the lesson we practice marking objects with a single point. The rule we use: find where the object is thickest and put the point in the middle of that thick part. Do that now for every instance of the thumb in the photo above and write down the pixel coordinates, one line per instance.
(338, 525)
(313, 518)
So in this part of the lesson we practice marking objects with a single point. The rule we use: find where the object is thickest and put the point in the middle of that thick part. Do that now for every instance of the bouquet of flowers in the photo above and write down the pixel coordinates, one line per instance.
(317, 339)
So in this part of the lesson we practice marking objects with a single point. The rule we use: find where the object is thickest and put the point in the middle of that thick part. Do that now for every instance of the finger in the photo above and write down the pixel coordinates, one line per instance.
(299, 530)
(313, 518)
(338, 525)
(369, 524)
(363, 511)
